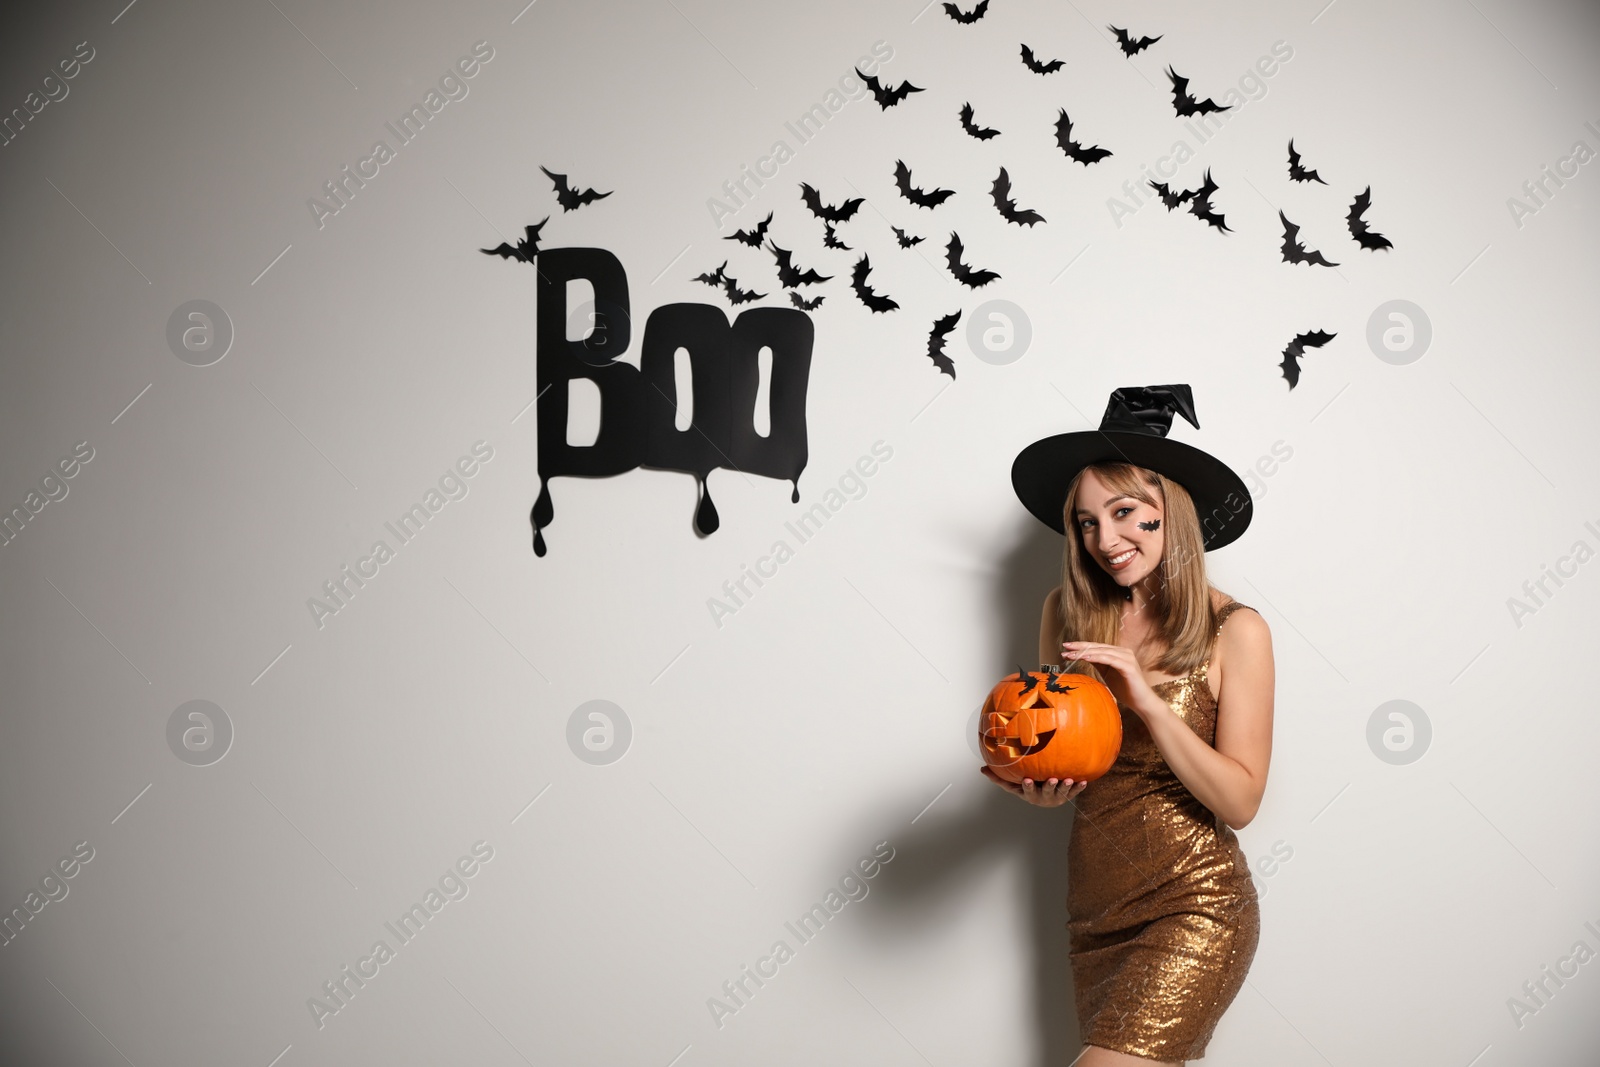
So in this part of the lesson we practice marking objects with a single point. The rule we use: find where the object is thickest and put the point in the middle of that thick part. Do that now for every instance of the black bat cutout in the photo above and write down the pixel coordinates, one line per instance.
(1052, 685)
(887, 98)
(1027, 679)
(1152, 525)
(1297, 348)
(858, 282)
(973, 279)
(1007, 206)
(1294, 251)
(941, 330)
(571, 199)
(905, 239)
(526, 249)
(1037, 67)
(1297, 173)
(1130, 46)
(752, 237)
(1074, 150)
(1200, 204)
(802, 303)
(967, 17)
(982, 133)
(713, 278)
(1365, 236)
(790, 275)
(831, 240)
(1184, 103)
(1168, 197)
(736, 295)
(919, 197)
(829, 212)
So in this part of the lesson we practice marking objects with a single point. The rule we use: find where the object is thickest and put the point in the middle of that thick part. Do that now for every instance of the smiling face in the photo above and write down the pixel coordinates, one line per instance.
(1123, 534)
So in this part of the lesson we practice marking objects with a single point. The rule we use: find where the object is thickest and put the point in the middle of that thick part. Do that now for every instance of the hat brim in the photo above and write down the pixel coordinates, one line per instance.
(1041, 473)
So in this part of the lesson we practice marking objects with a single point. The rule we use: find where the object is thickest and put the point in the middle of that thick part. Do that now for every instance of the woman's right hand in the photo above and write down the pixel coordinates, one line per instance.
(1051, 793)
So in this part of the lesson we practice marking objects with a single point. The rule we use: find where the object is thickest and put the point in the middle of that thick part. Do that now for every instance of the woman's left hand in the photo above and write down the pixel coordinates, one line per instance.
(1121, 663)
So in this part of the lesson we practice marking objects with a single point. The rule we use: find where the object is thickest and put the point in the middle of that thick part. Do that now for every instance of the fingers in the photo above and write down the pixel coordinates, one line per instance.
(1050, 793)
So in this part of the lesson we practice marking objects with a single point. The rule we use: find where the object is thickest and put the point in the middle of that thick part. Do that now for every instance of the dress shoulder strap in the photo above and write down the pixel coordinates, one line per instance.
(1228, 609)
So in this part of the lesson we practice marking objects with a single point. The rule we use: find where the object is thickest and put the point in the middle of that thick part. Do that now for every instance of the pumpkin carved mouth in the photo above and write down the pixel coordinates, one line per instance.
(1016, 750)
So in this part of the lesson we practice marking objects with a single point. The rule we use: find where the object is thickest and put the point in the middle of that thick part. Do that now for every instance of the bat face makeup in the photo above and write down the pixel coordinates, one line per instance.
(1120, 533)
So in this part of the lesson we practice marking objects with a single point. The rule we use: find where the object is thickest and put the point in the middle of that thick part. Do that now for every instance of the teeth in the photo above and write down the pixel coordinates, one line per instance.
(1125, 556)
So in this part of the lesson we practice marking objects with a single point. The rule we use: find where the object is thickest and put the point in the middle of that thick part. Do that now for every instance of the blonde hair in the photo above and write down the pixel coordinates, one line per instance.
(1091, 601)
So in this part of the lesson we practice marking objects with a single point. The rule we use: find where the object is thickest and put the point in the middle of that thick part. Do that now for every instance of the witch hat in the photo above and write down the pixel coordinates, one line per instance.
(1134, 430)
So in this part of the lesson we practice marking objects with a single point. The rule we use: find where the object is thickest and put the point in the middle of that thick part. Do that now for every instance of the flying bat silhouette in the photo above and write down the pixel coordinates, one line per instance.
(1130, 46)
(828, 212)
(1365, 236)
(1200, 203)
(737, 295)
(973, 279)
(527, 247)
(831, 239)
(1038, 67)
(1027, 679)
(982, 133)
(1007, 206)
(1168, 197)
(802, 303)
(569, 198)
(1297, 348)
(1297, 173)
(713, 278)
(906, 240)
(902, 181)
(967, 17)
(790, 275)
(1184, 103)
(752, 237)
(1074, 150)
(858, 282)
(941, 330)
(887, 98)
(1294, 251)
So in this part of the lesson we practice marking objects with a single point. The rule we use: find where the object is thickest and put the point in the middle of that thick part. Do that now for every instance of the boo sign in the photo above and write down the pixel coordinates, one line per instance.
(638, 407)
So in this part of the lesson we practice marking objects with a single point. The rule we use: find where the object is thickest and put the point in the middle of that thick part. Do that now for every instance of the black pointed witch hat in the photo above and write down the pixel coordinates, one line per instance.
(1134, 430)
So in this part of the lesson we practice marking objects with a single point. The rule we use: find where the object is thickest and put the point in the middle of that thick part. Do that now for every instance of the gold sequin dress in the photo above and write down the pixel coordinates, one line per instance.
(1163, 918)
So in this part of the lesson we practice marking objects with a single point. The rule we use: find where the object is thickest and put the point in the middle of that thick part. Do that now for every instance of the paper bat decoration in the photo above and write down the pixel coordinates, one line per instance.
(1294, 251)
(571, 199)
(1185, 104)
(790, 275)
(831, 239)
(1168, 197)
(1007, 206)
(858, 282)
(982, 133)
(1052, 684)
(919, 197)
(941, 330)
(527, 247)
(751, 237)
(1074, 150)
(887, 98)
(713, 278)
(967, 17)
(1131, 47)
(828, 212)
(1297, 173)
(1297, 348)
(973, 279)
(1038, 67)
(802, 303)
(1200, 203)
(719, 279)
(906, 240)
(1365, 236)
(1027, 679)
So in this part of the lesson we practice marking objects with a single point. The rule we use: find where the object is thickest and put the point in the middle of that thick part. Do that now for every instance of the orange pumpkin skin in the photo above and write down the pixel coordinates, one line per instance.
(1037, 732)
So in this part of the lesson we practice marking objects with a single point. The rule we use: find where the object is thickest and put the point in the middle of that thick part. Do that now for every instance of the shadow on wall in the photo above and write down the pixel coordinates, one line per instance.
(941, 855)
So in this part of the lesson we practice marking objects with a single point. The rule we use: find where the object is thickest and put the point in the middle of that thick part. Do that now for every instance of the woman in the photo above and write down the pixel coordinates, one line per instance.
(1163, 918)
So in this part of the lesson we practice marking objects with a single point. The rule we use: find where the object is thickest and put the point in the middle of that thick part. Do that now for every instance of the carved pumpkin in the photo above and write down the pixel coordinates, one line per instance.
(1040, 725)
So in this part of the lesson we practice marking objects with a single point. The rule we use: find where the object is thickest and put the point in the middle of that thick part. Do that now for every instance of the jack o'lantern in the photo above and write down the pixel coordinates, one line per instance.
(1040, 725)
